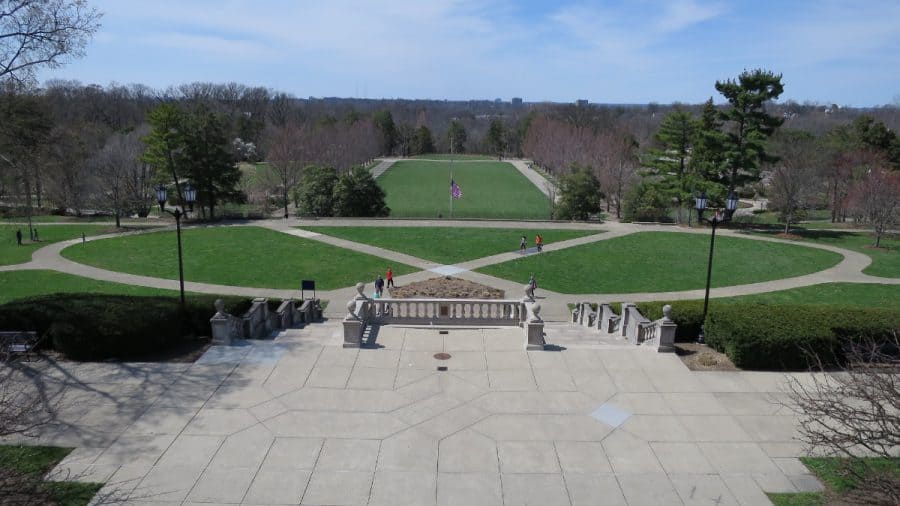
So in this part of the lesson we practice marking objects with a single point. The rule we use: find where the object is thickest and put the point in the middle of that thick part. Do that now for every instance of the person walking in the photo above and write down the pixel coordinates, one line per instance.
(19, 236)
(36, 236)
(532, 283)
(539, 242)
(379, 287)
(390, 277)
(523, 244)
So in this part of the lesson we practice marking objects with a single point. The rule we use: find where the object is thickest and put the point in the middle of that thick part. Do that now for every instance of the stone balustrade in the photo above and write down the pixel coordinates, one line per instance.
(631, 325)
(363, 311)
(259, 322)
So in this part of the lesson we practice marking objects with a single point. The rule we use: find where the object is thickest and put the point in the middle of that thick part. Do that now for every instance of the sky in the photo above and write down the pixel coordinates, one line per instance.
(637, 51)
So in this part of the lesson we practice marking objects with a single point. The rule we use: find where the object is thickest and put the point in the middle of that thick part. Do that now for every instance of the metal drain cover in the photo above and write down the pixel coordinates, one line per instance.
(442, 356)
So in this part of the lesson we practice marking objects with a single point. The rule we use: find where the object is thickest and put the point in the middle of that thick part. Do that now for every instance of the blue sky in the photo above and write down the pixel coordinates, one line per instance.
(605, 51)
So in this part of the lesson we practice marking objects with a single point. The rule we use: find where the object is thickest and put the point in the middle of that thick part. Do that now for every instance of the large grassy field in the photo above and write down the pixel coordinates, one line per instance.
(19, 284)
(662, 262)
(238, 256)
(421, 189)
(11, 253)
(456, 156)
(885, 260)
(447, 245)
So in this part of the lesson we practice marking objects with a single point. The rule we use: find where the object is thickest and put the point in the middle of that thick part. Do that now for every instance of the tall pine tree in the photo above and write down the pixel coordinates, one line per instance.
(208, 160)
(671, 163)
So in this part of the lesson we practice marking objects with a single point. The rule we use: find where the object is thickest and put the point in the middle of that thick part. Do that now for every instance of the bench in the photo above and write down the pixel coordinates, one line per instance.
(18, 344)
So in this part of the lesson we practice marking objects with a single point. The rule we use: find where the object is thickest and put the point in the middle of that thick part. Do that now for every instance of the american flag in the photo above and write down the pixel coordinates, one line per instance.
(455, 190)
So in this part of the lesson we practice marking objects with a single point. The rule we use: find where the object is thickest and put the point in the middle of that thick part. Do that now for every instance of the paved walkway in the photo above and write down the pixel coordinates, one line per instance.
(555, 305)
(300, 420)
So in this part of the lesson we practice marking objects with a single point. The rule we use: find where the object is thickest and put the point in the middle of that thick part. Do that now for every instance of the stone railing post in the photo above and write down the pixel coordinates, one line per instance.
(534, 328)
(667, 329)
(221, 325)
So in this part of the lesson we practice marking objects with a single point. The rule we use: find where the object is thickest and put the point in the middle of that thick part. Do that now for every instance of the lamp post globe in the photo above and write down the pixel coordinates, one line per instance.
(161, 196)
(190, 194)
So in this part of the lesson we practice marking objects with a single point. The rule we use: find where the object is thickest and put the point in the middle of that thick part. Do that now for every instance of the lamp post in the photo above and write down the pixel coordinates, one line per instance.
(190, 196)
(700, 202)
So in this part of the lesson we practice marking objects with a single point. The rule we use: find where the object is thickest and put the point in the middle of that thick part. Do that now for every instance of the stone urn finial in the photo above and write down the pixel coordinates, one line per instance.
(220, 307)
(667, 312)
(351, 307)
(536, 312)
(360, 288)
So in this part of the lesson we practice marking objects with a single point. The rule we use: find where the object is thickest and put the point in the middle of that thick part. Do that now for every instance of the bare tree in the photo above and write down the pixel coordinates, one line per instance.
(122, 177)
(794, 181)
(42, 33)
(855, 413)
(876, 198)
(287, 156)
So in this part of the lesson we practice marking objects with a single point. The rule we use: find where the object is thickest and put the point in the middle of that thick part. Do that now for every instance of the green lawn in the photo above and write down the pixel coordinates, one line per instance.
(421, 189)
(447, 245)
(885, 260)
(11, 253)
(238, 256)
(661, 262)
(34, 462)
(830, 470)
(19, 284)
(847, 294)
(457, 156)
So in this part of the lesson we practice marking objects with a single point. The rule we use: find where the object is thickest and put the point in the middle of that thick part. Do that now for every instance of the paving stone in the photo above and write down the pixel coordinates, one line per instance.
(702, 489)
(791, 466)
(338, 488)
(290, 453)
(681, 458)
(468, 452)
(641, 403)
(713, 428)
(736, 458)
(167, 483)
(392, 488)
(328, 376)
(334, 424)
(536, 403)
(517, 380)
(648, 489)
(464, 385)
(547, 360)
(542, 428)
(427, 341)
(335, 356)
(452, 421)
(806, 483)
(529, 489)
(775, 481)
(770, 428)
(656, 428)
(594, 489)
(580, 457)
(464, 361)
(750, 403)
(469, 489)
(370, 378)
(190, 451)
(694, 403)
(554, 380)
(277, 487)
(527, 457)
(745, 490)
(245, 449)
(379, 358)
(426, 384)
(507, 360)
(426, 409)
(495, 341)
(409, 450)
(349, 455)
(463, 341)
(238, 396)
(630, 455)
(222, 485)
(136, 450)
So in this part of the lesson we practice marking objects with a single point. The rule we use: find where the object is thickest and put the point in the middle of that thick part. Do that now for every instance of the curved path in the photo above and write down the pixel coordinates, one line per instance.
(555, 304)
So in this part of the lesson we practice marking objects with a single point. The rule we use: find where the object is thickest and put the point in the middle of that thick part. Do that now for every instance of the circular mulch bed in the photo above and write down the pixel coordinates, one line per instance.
(446, 287)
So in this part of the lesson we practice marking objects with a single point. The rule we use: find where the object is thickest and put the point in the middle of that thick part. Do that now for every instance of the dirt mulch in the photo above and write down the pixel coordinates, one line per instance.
(446, 287)
(700, 357)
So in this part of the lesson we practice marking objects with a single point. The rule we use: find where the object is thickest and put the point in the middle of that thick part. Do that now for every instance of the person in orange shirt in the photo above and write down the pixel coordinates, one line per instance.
(390, 277)
(539, 242)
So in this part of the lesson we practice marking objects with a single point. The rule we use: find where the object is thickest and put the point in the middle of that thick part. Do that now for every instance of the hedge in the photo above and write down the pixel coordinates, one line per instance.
(760, 336)
(99, 327)
(687, 314)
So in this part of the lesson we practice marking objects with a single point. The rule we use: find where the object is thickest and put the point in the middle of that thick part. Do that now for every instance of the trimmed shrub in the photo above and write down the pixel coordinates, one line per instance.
(687, 314)
(99, 327)
(759, 336)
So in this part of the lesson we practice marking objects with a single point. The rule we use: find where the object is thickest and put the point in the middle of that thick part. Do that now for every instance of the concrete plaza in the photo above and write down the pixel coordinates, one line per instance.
(300, 420)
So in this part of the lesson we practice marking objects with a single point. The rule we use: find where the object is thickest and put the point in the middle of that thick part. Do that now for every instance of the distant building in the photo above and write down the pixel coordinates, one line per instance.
(581, 102)
(517, 101)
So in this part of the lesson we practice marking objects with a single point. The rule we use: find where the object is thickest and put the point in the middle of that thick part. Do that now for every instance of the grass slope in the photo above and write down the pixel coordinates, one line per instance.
(847, 294)
(838, 483)
(448, 156)
(445, 244)
(885, 260)
(661, 262)
(35, 462)
(11, 253)
(238, 256)
(421, 189)
(19, 284)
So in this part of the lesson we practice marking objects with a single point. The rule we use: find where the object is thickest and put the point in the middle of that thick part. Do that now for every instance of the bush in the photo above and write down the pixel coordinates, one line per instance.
(688, 314)
(99, 327)
(647, 202)
(759, 336)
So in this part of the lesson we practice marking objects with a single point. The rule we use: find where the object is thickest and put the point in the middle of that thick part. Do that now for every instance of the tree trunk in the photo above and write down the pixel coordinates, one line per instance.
(285, 202)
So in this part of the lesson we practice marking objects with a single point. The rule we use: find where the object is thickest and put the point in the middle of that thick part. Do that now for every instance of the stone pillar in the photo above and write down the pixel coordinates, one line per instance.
(353, 326)
(667, 329)
(626, 318)
(220, 324)
(534, 328)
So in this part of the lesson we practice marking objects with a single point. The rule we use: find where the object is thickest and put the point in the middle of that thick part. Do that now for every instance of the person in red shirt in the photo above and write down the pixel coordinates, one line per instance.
(390, 277)
(539, 242)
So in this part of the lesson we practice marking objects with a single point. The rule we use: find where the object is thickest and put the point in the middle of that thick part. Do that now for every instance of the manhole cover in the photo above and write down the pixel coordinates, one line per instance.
(442, 356)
